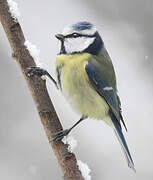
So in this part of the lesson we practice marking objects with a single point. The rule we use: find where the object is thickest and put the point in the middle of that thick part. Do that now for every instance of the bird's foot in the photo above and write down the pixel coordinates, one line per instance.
(59, 135)
(31, 71)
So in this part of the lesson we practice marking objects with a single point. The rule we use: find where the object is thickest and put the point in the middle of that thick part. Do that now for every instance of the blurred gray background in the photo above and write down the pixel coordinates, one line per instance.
(126, 28)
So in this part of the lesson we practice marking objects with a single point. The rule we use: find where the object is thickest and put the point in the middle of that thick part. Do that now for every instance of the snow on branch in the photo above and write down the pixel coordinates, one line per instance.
(71, 142)
(83, 167)
(34, 52)
(13, 8)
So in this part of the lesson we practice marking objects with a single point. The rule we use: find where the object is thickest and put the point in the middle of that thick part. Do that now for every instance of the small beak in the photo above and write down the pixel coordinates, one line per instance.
(60, 37)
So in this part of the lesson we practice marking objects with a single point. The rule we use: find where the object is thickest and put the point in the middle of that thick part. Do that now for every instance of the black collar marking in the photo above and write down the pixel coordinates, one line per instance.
(96, 46)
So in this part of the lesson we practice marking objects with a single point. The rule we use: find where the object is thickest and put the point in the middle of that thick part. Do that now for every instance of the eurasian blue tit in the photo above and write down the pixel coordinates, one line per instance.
(86, 77)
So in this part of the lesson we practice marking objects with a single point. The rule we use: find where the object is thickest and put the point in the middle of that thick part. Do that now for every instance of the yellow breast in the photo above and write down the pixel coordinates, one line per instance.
(77, 88)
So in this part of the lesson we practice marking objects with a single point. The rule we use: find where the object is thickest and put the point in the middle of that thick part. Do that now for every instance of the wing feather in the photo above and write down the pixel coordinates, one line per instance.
(105, 90)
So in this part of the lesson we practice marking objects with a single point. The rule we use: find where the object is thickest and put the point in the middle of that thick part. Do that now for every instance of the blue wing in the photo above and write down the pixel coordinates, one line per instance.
(104, 89)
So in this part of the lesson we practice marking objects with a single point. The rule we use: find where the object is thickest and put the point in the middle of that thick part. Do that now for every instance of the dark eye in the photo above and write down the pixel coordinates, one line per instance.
(75, 35)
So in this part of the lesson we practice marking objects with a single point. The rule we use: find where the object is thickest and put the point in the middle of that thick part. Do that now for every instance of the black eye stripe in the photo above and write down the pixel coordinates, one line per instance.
(73, 35)
(76, 35)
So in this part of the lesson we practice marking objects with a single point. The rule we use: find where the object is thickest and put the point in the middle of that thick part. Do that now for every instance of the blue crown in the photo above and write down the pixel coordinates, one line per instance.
(82, 26)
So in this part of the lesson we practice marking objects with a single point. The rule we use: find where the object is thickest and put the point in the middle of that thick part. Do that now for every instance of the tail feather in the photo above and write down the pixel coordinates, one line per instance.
(121, 139)
(125, 150)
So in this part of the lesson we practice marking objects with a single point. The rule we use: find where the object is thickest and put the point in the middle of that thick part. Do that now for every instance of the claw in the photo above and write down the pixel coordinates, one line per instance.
(59, 135)
(31, 71)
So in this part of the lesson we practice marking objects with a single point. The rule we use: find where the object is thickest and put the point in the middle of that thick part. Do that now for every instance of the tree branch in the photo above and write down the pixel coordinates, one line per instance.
(37, 86)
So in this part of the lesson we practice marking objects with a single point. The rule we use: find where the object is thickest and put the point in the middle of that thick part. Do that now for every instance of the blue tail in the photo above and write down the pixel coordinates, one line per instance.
(120, 136)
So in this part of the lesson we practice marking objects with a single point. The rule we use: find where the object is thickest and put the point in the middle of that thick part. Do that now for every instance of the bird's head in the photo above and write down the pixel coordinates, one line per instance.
(80, 37)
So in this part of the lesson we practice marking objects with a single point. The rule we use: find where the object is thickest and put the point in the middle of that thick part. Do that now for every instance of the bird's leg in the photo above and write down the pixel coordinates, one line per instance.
(31, 71)
(59, 135)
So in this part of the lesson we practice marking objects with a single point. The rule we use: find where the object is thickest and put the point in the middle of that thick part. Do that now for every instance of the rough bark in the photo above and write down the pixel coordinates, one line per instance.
(37, 86)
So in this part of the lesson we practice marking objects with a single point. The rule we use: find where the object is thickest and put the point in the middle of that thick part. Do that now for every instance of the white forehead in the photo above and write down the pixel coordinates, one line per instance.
(70, 30)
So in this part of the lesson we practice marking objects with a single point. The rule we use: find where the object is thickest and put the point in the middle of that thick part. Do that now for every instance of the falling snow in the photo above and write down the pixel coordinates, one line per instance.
(146, 57)
(33, 169)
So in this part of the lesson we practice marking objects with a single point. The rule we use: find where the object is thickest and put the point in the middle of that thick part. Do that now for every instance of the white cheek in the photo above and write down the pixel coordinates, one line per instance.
(77, 44)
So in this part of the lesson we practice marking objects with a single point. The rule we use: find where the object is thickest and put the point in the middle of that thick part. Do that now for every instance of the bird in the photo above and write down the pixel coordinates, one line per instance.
(86, 78)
